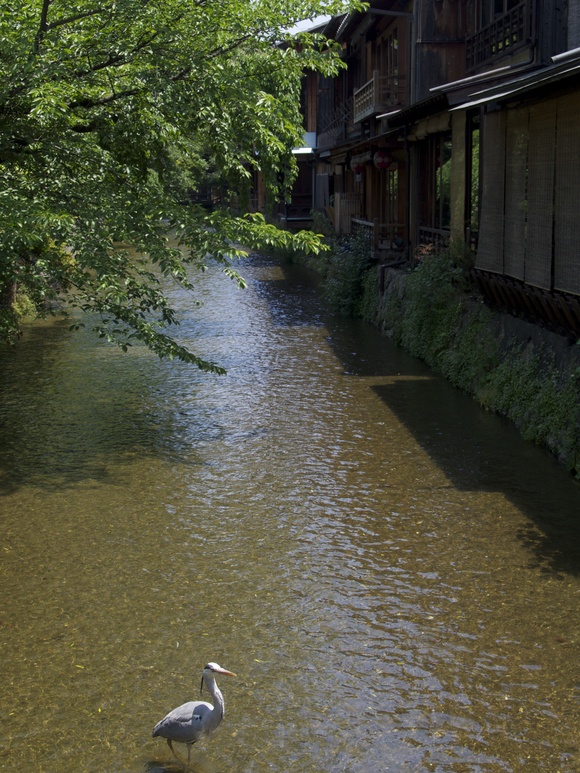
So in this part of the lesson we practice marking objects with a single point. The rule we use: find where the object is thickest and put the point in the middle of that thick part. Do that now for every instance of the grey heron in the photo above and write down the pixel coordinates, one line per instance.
(195, 719)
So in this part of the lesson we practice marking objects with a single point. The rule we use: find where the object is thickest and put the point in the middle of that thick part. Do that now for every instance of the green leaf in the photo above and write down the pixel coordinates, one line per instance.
(115, 118)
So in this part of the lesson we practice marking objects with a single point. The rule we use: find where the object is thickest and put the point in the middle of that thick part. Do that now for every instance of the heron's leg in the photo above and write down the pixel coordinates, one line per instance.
(175, 754)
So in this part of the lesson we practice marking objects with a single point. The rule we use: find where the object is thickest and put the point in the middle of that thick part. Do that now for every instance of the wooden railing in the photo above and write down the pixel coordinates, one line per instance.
(391, 237)
(378, 95)
(335, 126)
(437, 237)
(366, 228)
(556, 311)
(299, 209)
(382, 237)
(505, 34)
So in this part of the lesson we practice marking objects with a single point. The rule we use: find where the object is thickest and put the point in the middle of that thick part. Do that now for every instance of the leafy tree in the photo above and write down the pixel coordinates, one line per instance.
(109, 111)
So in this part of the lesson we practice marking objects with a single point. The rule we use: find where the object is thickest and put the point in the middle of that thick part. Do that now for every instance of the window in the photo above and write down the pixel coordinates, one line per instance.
(473, 177)
(435, 187)
(388, 54)
(392, 53)
(489, 10)
(442, 160)
(387, 63)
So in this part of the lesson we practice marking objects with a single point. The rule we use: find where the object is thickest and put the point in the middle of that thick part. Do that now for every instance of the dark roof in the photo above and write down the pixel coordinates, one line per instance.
(332, 25)
(349, 22)
(419, 110)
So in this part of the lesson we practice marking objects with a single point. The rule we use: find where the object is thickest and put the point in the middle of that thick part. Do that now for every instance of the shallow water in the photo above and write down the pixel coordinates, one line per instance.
(393, 574)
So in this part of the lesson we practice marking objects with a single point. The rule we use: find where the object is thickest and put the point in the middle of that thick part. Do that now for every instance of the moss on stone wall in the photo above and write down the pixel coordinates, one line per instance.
(512, 368)
(530, 376)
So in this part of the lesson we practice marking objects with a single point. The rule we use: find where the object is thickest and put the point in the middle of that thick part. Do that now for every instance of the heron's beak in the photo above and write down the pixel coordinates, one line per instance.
(225, 672)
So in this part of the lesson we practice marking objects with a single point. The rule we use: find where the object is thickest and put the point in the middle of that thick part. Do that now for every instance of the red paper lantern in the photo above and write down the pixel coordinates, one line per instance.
(356, 165)
(382, 159)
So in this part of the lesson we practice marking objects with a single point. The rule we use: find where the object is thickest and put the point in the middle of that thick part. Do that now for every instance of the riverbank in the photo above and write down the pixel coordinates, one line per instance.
(518, 370)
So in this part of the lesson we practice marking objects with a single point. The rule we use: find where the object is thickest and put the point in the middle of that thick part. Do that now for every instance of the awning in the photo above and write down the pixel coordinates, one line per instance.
(435, 124)
(362, 158)
(512, 89)
(418, 111)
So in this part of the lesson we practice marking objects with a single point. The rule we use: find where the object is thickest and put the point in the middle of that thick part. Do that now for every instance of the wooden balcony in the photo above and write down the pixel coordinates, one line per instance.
(336, 125)
(380, 94)
(505, 35)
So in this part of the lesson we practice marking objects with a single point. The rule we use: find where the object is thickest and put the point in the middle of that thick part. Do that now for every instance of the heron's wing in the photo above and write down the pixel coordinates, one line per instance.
(186, 723)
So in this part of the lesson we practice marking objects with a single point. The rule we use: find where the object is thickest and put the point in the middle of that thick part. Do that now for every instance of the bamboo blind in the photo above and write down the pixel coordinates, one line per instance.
(541, 163)
(530, 209)
(567, 202)
(517, 134)
(490, 251)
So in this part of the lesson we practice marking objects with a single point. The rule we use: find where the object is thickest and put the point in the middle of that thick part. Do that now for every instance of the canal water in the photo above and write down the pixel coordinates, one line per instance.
(391, 572)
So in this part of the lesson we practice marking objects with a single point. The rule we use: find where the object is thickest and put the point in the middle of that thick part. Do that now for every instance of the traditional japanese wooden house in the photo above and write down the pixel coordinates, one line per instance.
(361, 170)
(457, 120)
(516, 115)
(384, 140)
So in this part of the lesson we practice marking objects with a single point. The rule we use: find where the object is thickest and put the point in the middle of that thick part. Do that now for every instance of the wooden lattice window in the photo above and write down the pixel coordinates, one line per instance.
(504, 26)
(434, 191)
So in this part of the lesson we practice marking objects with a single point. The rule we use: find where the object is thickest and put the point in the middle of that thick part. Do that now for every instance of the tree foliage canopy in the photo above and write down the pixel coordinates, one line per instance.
(109, 111)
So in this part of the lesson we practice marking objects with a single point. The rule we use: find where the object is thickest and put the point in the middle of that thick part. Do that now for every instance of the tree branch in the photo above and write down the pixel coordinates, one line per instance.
(71, 19)
(184, 72)
(43, 26)
(232, 47)
(88, 103)
(119, 59)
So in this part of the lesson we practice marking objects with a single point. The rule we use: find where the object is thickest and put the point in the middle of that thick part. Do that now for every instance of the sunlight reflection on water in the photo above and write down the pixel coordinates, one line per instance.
(393, 574)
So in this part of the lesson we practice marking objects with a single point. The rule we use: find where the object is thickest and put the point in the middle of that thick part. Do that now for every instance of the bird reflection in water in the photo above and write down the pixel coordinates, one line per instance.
(175, 766)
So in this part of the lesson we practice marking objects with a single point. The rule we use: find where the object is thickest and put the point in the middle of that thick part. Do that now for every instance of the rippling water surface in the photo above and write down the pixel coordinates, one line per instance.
(393, 574)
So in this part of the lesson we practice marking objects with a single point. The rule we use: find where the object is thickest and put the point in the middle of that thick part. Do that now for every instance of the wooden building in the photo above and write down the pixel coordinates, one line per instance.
(362, 164)
(517, 113)
(384, 140)
(458, 119)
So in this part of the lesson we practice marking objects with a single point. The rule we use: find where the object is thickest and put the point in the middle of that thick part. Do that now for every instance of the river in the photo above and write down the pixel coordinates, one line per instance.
(393, 574)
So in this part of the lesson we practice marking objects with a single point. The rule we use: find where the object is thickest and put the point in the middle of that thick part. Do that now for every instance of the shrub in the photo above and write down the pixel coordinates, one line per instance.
(369, 302)
(348, 261)
(434, 302)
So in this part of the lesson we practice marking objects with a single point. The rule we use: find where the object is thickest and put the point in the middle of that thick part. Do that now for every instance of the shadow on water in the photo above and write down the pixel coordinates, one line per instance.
(476, 450)
(480, 452)
(173, 766)
(73, 415)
